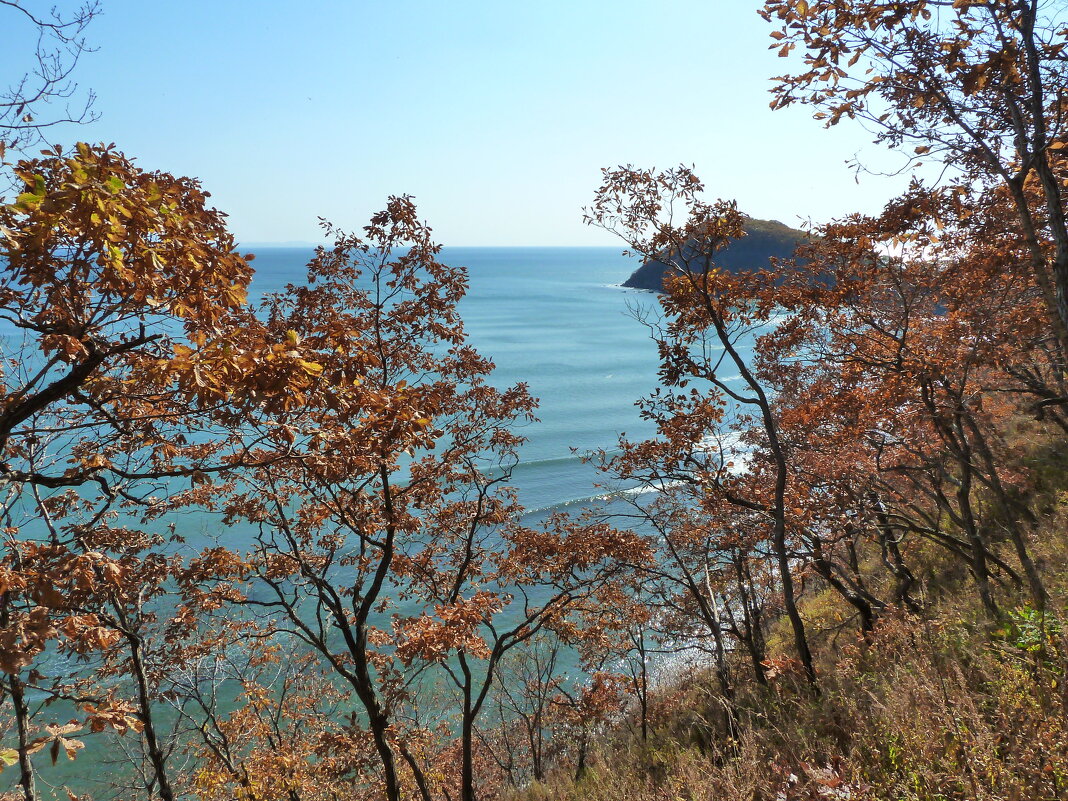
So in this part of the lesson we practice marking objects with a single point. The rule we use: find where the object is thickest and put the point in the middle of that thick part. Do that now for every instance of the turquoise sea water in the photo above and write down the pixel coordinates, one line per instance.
(558, 319)
(555, 318)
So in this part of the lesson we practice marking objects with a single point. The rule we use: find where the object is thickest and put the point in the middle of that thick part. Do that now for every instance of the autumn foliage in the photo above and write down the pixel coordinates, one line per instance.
(851, 520)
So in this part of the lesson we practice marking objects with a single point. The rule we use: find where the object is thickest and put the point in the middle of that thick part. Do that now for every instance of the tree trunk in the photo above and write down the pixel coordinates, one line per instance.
(417, 772)
(892, 558)
(155, 753)
(22, 719)
(467, 767)
(980, 571)
(722, 668)
(754, 633)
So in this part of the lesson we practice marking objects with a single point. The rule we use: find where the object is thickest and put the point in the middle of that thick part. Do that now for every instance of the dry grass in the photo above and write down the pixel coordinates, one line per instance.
(931, 712)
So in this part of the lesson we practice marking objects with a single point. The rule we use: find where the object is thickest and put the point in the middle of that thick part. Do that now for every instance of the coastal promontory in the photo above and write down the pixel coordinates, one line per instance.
(764, 240)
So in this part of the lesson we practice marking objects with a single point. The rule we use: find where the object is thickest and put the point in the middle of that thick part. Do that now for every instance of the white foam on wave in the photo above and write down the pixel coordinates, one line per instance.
(628, 492)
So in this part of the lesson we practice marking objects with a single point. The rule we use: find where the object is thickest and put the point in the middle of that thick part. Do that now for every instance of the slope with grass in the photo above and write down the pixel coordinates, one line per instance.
(946, 705)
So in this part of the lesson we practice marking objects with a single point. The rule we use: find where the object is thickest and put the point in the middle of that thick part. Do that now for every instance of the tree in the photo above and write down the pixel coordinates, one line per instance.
(517, 734)
(380, 489)
(708, 313)
(108, 271)
(914, 322)
(26, 106)
(978, 84)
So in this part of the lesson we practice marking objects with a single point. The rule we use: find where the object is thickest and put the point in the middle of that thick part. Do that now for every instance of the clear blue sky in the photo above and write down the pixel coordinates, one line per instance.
(496, 115)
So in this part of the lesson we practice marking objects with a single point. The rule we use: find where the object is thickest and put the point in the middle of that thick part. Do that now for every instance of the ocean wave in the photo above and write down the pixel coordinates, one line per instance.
(629, 492)
(527, 465)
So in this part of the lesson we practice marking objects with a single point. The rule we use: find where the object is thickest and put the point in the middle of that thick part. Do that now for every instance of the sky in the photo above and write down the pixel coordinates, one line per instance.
(496, 116)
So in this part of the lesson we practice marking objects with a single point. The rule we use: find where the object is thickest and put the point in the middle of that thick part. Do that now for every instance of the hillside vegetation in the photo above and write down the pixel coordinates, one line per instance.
(943, 705)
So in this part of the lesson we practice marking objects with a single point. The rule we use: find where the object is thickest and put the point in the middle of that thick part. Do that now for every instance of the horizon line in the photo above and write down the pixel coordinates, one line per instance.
(304, 244)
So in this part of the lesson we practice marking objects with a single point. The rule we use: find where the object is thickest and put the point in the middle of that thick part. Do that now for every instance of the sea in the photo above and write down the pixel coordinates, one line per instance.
(555, 318)
(558, 319)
